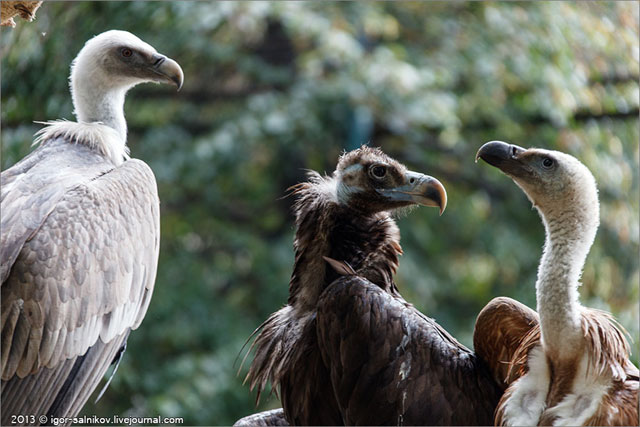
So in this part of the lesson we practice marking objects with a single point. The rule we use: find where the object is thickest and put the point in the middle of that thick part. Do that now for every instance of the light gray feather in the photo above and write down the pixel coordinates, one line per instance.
(78, 254)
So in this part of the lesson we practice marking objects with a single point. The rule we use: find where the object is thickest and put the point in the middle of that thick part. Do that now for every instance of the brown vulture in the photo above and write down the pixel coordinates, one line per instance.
(347, 348)
(80, 238)
(573, 367)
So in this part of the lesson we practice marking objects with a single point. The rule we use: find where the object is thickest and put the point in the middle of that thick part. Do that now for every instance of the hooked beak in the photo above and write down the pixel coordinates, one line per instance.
(168, 69)
(420, 189)
(506, 157)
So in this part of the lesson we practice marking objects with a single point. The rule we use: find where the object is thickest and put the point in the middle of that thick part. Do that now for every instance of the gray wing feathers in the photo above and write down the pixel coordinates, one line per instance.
(18, 393)
(274, 417)
(86, 271)
(87, 372)
(69, 384)
(32, 188)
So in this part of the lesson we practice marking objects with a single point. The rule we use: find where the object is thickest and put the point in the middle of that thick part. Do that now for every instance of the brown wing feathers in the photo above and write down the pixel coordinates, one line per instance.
(498, 337)
(390, 364)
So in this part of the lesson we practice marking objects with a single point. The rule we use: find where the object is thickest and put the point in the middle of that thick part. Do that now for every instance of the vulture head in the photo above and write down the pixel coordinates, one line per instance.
(558, 185)
(104, 70)
(118, 59)
(110, 64)
(369, 181)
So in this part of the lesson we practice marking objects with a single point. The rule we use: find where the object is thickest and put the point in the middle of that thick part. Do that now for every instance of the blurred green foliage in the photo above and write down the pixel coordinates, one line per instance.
(274, 88)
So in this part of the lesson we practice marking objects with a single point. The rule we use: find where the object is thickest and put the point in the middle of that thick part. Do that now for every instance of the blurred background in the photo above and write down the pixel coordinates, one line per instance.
(272, 89)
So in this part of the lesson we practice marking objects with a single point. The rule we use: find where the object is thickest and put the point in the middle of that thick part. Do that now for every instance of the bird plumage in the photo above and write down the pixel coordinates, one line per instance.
(273, 417)
(392, 365)
(572, 367)
(348, 349)
(82, 245)
(498, 335)
(79, 247)
(108, 66)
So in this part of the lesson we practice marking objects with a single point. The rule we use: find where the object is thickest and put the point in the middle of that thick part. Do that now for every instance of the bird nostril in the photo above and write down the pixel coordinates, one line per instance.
(159, 61)
(514, 150)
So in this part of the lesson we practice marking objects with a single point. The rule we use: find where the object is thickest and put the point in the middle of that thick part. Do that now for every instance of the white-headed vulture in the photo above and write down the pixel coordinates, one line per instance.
(572, 367)
(80, 238)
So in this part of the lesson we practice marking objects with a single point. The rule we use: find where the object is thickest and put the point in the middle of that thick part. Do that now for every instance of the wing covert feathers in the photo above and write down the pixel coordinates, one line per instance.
(32, 188)
(391, 365)
(499, 332)
(79, 265)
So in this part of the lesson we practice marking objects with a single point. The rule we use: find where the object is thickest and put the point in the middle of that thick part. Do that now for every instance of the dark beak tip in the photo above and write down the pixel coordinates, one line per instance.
(443, 202)
(169, 70)
(438, 194)
(496, 152)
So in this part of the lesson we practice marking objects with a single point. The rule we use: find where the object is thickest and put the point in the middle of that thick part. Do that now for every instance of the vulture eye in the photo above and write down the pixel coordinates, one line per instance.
(126, 52)
(547, 163)
(378, 171)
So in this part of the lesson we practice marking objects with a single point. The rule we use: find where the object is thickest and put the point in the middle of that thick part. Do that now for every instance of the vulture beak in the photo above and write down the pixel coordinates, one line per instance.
(506, 157)
(418, 188)
(168, 69)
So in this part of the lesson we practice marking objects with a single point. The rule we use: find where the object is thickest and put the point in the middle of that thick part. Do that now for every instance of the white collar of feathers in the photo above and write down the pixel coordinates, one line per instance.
(96, 136)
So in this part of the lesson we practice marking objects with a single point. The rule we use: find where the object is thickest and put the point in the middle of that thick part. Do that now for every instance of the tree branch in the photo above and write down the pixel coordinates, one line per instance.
(10, 9)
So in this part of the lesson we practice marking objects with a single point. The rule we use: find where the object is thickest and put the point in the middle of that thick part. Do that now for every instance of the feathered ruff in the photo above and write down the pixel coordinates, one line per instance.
(379, 231)
(371, 245)
(608, 355)
(96, 136)
(607, 344)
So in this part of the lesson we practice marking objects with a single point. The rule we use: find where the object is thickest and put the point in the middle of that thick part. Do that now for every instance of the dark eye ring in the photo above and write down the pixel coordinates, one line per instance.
(126, 52)
(378, 171)
(547, 163)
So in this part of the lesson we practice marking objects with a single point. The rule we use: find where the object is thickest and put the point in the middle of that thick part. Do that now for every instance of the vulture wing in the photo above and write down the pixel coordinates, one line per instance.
(391, 365)
(502, 327)
(80, 242)
(274, 417)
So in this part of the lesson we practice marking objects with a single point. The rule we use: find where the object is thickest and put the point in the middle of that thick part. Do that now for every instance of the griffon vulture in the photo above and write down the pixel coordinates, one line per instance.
(347, 348)
(573, 367)
(80, 237)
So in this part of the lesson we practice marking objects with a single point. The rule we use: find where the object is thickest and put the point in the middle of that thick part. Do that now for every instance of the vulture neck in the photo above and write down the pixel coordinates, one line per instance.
(95, 100)
(569, 236)
(369, 243)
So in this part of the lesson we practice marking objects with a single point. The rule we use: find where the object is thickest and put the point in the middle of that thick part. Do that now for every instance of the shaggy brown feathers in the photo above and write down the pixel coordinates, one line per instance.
(286, 342)
(349, 349)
